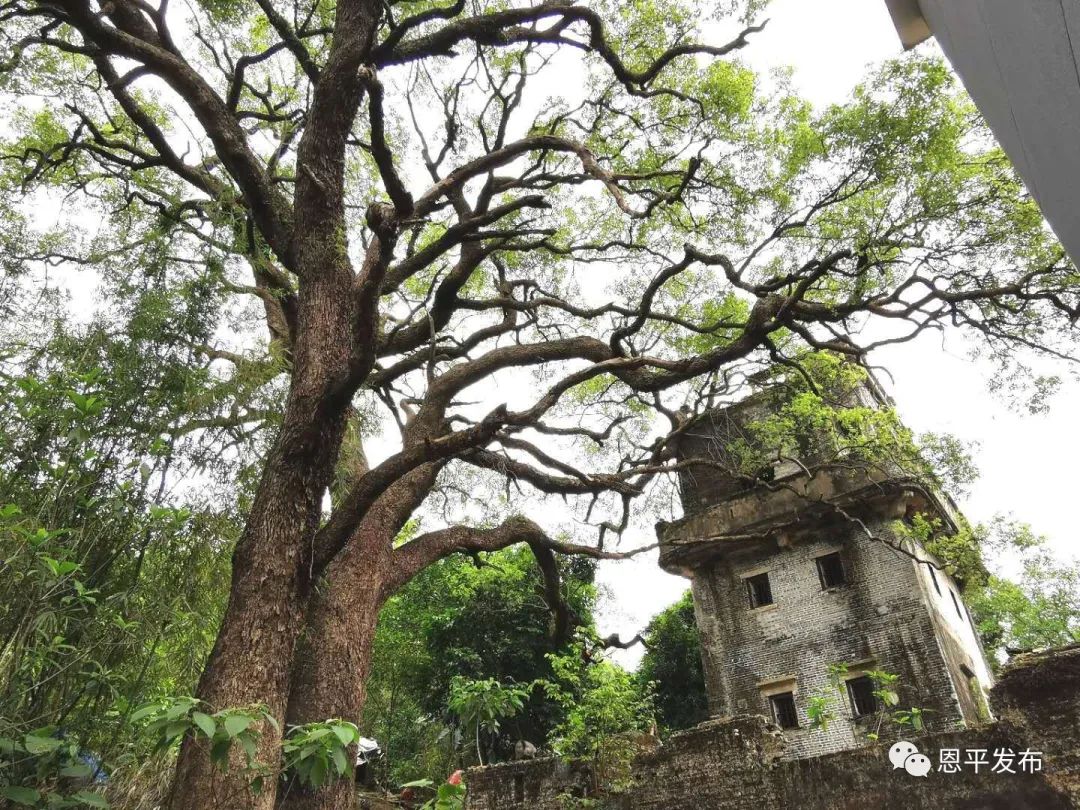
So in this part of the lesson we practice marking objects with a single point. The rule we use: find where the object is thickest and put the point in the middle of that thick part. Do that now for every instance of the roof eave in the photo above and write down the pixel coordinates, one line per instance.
(909, 21)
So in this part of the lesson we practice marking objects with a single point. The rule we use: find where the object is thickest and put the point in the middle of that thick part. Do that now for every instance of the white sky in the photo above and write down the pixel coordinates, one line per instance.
(1027, 462)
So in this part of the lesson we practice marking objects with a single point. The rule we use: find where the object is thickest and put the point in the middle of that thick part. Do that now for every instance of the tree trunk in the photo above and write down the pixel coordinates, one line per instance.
(334, 346)
(250, 662)
(330, 674)
(333, 659)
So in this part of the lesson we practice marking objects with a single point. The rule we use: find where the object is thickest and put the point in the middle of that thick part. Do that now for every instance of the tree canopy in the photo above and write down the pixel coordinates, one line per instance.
(672, 662)
(427, 637)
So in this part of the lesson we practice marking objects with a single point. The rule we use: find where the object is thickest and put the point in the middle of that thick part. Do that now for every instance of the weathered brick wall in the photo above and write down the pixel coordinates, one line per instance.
(718, 434)
(737, 764)
(881, 616)
(712, 437)
(1038, 699)
(739, 750)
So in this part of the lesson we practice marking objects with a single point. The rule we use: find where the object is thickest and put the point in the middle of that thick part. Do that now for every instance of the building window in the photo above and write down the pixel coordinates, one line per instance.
(861, 694)
(933, 578)
(956, 604)
(783, 710)
(759, 590)
(830, 569)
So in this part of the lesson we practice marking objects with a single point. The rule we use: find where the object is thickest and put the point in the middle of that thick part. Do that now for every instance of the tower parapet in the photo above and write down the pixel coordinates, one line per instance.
(799, 573)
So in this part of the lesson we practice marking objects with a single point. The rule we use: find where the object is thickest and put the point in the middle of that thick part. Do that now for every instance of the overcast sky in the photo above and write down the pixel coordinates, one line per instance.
(1027, 462)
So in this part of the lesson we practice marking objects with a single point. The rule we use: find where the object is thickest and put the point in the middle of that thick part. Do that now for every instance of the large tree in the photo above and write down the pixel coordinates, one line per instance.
(672, 662)
(533, 235)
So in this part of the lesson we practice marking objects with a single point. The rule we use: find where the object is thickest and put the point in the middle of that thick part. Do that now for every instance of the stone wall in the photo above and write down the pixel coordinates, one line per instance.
(739, 764)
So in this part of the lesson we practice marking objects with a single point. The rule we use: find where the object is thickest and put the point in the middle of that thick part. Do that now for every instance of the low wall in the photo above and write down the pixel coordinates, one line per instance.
(736, 764)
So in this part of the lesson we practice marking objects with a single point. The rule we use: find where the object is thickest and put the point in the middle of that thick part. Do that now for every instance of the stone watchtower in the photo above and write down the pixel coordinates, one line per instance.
(786, 582)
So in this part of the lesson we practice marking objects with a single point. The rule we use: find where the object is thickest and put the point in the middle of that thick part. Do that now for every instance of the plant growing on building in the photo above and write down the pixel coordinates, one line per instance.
(821, 706)
(820, 710)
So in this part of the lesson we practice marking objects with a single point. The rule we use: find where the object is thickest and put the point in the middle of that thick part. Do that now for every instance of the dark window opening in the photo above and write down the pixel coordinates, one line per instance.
(830, 569)
(933, 578)
(519, 787)
(861, 693)
(783, 709)
(956, 604)
(759, 590)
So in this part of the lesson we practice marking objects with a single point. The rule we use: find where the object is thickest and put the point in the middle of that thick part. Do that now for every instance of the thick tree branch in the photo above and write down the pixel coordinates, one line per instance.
(428, 548)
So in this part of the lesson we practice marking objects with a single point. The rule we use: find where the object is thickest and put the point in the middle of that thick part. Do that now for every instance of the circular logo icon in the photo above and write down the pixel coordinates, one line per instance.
(917, 764)
(900, 751)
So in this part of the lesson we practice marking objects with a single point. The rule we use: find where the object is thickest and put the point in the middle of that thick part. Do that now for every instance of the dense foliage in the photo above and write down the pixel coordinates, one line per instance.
(672, 663)
(114, 562)
(1039, 608)
(472, 620)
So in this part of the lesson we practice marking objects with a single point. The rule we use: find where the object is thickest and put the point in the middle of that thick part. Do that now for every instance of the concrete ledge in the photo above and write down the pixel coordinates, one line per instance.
(760, 512)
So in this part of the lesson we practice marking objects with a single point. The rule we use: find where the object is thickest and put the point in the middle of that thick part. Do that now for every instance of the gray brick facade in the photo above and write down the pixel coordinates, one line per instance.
(893, 611)
(880, 619)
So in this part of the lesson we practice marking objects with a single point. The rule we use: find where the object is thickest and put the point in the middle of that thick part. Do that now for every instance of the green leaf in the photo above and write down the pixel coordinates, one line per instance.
(236, 723)
(78, 399)
(317, 774)
(341, 764)
(76, 770)
(347, 733)
(91, 799)
(51, 564)
(175, 729)
(247, 742)
(41, 745)
(179, 708)
(446, 792)
(20, 795)
(144, 711)
(205, 723)
(219, 751)
(9, 746)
